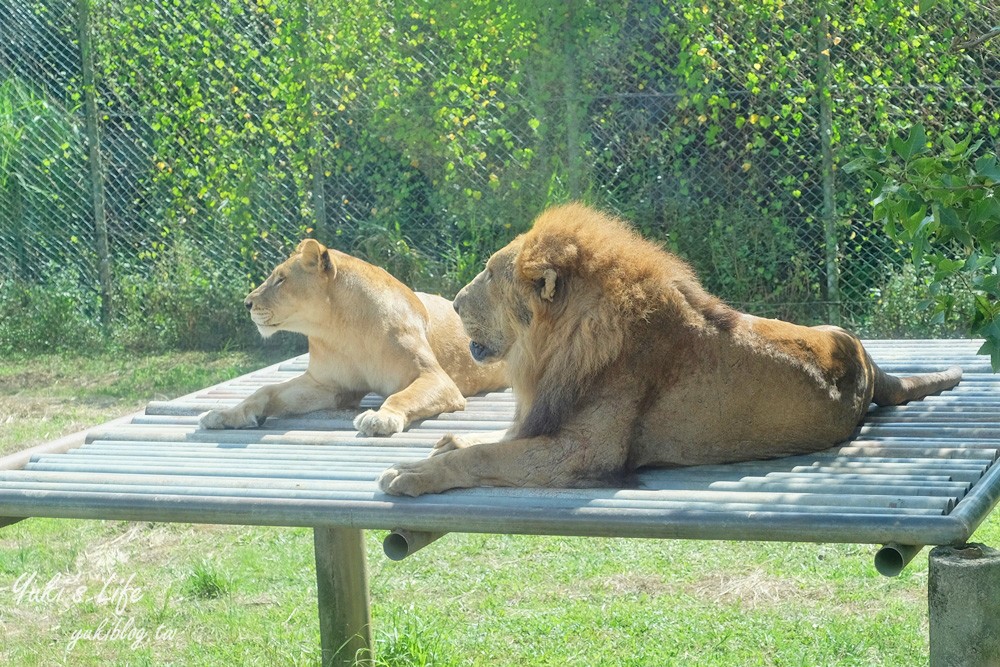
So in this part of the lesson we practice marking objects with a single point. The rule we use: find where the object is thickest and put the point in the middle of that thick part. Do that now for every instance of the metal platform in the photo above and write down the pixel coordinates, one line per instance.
(920, 474)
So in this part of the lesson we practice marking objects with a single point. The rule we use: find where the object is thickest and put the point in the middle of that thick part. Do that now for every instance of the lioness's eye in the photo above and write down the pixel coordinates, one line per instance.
(279, 280)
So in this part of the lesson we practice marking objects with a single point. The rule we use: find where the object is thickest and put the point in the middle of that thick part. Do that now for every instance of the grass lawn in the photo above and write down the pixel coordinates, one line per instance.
(123, 593)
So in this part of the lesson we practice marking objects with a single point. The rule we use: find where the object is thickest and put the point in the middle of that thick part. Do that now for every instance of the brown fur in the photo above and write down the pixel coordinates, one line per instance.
(367, 332)
(620, 359)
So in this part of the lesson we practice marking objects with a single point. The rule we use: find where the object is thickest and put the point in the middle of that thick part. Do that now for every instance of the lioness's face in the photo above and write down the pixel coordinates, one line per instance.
(493, 309)
(283, 301)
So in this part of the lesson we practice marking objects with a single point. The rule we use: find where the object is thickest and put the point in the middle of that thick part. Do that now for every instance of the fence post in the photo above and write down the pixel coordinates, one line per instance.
(96, 165)
(829, 212)
(315, 135)
(571, 91)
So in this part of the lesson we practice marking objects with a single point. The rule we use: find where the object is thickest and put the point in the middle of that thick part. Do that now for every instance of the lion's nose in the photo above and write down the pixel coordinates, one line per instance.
(248, 303)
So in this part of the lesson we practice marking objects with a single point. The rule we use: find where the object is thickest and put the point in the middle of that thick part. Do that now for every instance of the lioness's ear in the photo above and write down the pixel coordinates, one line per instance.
(548, 284)
(315, 255)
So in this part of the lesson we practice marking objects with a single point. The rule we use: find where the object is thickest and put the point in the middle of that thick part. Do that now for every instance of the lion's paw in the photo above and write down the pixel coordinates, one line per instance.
(409, 479)
(449, 443)
(215, 419)
(382, 422)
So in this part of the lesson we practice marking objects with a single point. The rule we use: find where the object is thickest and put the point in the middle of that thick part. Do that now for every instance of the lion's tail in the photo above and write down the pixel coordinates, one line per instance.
(892, 390)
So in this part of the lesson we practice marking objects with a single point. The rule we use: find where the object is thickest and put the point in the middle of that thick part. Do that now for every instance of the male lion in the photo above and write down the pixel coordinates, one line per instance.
(367, 332)
(619, 359)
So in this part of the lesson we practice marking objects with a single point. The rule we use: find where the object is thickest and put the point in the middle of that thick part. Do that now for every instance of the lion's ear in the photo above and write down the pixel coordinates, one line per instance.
(546, 265)
(315, 256)
(548, 282)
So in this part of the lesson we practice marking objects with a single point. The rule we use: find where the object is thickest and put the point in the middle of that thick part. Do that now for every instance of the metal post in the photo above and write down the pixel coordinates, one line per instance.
(96, 165)
(306, 65)
(571, 83)
(342, 588)
(963, 599)
(829, 212)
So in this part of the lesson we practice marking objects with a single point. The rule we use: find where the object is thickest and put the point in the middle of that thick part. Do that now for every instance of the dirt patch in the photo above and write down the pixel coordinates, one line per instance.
(756, 590)
(635, 584)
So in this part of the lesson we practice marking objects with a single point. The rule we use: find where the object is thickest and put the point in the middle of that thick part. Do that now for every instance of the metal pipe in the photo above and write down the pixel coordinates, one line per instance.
(870, 479)
(893, 557)
(160, 481)
(470, 504)
(540, 498)
(953, 473)
(400, 543)
(763, 524)
(980, 501)
(63, 444)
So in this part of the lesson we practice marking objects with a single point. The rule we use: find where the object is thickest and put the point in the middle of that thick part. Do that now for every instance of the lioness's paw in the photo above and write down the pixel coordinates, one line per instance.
(383, 422)
(408, 479)
(229, 419)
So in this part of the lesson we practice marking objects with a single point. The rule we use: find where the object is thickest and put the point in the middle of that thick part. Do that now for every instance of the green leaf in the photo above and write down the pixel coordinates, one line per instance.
(984, 219)
(991, 332)
(914, 144)
(987, 167)
(925, 166)
(856, 165)
(874, 154)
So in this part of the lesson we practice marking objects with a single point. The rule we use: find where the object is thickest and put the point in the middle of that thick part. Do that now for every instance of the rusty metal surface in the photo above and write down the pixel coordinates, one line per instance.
(922, 473)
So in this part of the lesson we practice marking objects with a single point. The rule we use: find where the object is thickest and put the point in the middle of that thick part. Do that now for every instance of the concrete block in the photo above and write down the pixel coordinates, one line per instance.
(963, 597)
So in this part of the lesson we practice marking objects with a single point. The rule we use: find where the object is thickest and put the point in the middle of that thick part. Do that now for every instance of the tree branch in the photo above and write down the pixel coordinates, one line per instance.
(973, 43)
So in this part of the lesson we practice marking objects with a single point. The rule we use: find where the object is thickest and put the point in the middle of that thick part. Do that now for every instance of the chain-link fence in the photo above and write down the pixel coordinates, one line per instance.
(158, 142)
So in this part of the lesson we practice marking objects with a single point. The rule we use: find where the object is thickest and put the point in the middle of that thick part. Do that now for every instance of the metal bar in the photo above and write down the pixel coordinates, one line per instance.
(126, 481)
(739, 502)
(892, 558)
(788, 484)
(585, 521)
(399, 544)
(182, 451)
(980, 501)
(63, 444)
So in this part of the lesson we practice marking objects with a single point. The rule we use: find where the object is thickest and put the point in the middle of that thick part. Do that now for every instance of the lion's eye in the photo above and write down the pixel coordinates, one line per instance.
(279, 280)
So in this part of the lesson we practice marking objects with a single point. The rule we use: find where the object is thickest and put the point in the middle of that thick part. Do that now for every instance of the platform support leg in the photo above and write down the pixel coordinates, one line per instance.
(342, 586)
(963, 596)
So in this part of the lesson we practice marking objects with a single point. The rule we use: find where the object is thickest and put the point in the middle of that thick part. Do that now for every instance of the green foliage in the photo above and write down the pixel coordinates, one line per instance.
(422, 135)
(906, 304)
(183, 301)
(41, 167)
(52, 315)
(186, 301)
(942, 200)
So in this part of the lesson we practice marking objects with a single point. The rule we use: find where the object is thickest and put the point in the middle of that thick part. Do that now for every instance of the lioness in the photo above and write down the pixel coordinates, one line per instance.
(619, 359)
(367, 332)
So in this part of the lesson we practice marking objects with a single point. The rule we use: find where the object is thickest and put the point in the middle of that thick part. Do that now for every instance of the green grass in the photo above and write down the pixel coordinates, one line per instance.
(186, 594)
(207, 582)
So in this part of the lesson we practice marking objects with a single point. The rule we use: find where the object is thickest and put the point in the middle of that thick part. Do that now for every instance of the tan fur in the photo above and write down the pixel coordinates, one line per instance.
(620, 359)
(367, 332)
